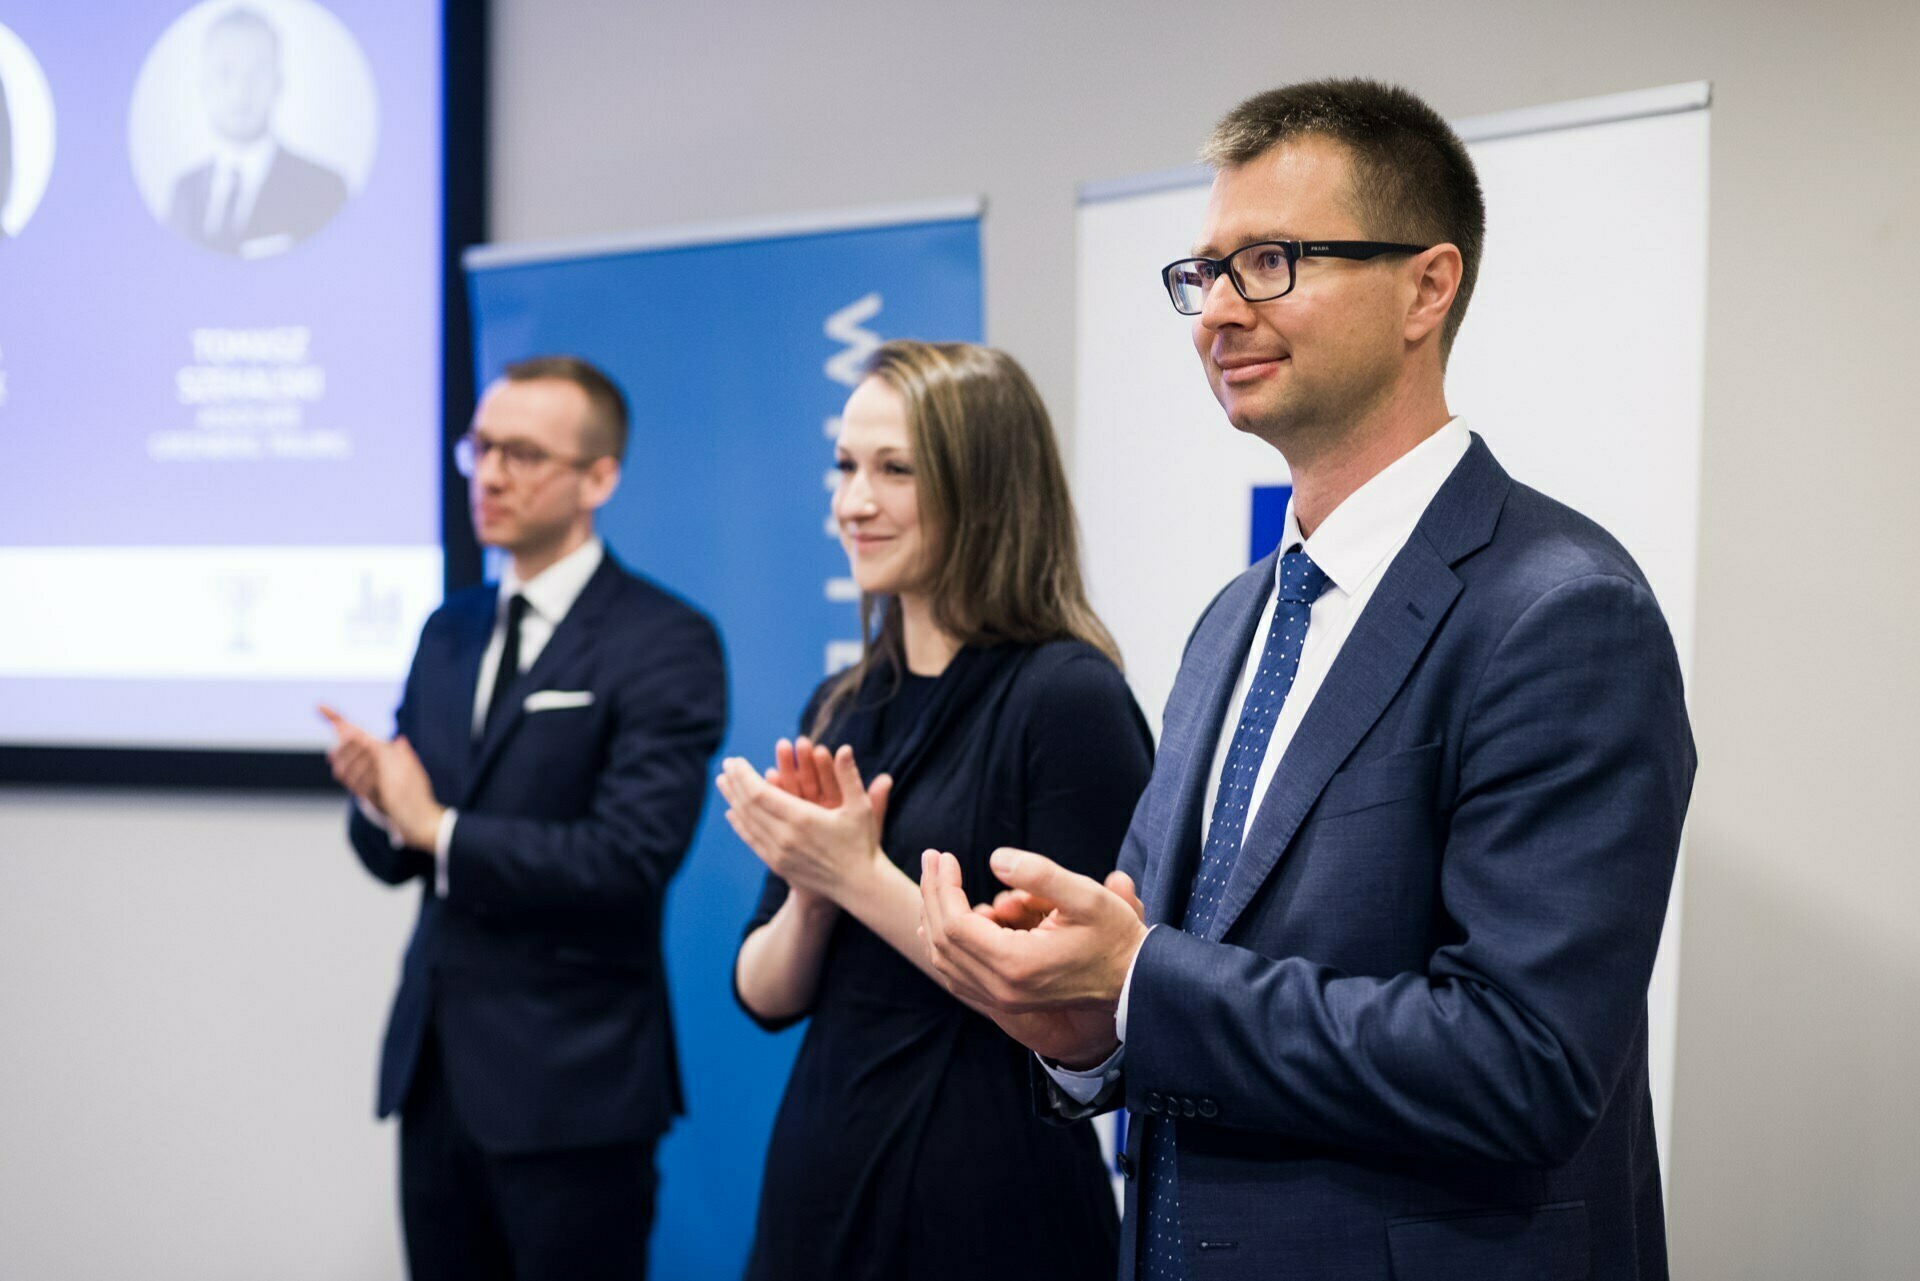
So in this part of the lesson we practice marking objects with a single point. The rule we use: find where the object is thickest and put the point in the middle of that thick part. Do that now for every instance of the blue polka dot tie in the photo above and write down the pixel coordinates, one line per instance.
(1300, 584)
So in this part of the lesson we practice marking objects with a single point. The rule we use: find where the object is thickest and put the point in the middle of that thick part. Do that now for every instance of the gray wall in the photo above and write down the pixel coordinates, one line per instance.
(193, 987)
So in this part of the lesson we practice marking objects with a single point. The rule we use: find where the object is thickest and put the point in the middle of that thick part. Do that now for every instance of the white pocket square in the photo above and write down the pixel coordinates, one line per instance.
(550, 700)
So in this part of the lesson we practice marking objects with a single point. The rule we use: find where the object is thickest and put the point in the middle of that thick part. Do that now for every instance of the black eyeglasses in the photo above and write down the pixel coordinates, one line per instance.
(1262, 271)
(520, 457)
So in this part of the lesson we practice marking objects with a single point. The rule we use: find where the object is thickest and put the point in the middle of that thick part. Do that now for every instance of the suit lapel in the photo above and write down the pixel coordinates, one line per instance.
(454, 687)
(1414, 596)
(570, 639)
(1225, 638)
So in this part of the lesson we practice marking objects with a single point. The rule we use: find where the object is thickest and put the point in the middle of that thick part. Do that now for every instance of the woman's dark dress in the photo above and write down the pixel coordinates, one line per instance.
(907, 1145)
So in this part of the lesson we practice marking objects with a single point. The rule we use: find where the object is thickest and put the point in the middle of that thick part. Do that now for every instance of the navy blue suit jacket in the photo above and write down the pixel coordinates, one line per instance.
(541, 971)
(1413, 1045)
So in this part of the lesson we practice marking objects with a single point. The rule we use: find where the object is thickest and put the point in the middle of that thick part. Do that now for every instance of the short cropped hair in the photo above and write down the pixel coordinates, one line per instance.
(606, 426)
(245, 18)
(1413, 180)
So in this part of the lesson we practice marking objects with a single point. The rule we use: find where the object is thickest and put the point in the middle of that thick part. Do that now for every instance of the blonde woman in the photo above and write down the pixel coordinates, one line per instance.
(988, 710)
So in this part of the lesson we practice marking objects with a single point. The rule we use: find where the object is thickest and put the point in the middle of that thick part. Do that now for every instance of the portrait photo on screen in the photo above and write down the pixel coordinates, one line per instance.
(26, 134)
(253, 125)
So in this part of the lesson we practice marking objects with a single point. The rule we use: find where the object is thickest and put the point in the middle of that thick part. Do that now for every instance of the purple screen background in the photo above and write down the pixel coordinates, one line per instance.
(97, 303)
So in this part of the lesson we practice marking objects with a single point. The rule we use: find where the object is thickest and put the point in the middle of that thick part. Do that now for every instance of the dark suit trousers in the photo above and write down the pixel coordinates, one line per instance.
(580, 1214)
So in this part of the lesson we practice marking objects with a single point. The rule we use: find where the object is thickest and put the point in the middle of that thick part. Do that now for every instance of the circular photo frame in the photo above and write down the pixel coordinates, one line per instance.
(253, 124)
(26, 134)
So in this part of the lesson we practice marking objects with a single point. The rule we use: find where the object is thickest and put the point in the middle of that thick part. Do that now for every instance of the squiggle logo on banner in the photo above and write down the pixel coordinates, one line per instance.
(847, 326)
(846, 366)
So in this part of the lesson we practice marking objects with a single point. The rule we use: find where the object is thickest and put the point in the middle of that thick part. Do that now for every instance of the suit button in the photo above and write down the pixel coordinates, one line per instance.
(1154, 1103)
(1187, 1108)
(1209, 1109)
(1125, 1163)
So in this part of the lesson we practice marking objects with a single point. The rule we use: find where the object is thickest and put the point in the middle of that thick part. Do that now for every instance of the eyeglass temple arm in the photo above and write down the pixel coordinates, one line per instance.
(1357, 249)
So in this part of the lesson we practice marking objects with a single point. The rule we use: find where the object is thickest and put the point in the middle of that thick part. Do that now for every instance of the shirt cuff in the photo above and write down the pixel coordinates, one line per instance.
(443, 846)
(379, 820)
(1126, 989)
(1084, 1087)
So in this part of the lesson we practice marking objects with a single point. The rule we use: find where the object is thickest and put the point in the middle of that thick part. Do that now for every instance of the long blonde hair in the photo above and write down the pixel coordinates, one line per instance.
(1002, 544)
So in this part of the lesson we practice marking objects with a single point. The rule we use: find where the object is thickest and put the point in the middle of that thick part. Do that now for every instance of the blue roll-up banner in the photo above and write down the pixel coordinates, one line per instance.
(737, 347)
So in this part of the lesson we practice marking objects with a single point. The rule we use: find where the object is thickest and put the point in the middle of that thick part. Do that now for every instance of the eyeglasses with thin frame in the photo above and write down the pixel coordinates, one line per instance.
(518, 457)
(1264, 270)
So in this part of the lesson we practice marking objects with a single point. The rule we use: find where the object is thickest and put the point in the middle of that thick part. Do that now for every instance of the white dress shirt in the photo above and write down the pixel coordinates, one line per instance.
(550, 594)
(234, 167)
(1353, 546)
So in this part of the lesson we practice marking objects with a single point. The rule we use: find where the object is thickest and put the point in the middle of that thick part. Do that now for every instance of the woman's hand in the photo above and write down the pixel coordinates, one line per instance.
(810, 820)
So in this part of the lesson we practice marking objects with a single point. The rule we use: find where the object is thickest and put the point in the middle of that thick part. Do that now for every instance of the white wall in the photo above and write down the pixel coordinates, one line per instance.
(208, 928)
(191, 992)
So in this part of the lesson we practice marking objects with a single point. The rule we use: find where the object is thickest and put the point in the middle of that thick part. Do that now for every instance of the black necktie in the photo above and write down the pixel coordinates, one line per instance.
(509, 669)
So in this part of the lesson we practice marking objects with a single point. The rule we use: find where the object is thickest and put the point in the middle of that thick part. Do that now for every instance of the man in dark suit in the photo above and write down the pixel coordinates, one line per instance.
(254, 197)
(1406, 851)
(548, 768)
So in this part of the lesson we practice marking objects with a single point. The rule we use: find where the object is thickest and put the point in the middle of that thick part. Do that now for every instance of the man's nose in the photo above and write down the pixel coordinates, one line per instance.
(490, 470)
(1224, 307)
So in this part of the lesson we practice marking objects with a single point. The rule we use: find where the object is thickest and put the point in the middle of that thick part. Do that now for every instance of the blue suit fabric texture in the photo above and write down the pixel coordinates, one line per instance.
(536, 987)
(1410, 1041)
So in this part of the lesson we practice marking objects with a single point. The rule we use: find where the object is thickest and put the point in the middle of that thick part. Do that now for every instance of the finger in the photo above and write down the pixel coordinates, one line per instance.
(1017, 909)
(846, 775)
(739, 780)
(739, 830)
(941, 895)
(1071, 894)
(754, 835)
(743, 786)
(345, 731)
(804, 771)
(829, 781)
(968, 952)
(933, 903)
(978, 939)
(351, 758)
(784, 774)
(1025, 912)
(754, 795)
(879, 792)
(1121, 884)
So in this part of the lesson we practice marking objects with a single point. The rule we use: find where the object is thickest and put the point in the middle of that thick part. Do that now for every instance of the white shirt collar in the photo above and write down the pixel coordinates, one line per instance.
(1377, 518)
(552, 592)
(249, 160)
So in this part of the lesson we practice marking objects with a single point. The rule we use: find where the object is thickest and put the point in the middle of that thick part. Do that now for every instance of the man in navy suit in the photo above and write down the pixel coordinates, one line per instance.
(254, 198)
(549, 765)
(1405, 855)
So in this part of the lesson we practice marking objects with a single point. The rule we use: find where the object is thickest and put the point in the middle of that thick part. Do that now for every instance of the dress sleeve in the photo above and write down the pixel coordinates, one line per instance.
(1088, 754)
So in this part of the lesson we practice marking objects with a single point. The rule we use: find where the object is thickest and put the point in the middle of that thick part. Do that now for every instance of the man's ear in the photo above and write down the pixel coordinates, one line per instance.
(603, 477)
(1434, 289)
